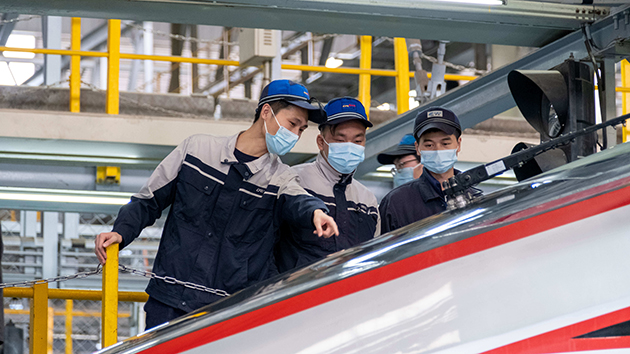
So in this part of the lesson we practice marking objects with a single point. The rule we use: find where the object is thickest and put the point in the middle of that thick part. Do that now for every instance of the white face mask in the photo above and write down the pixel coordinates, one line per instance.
(438, 161)
(402, 176)
(345, 157)
(282, 142)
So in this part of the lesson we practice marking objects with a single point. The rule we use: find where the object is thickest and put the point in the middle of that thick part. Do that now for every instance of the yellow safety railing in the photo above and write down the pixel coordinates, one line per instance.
(113, 54)
(625, 97)
(364, 71)
(109, 332)
(40, 328)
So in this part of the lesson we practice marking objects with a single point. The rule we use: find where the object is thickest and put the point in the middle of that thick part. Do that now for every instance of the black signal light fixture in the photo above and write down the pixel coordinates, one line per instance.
(557, 102)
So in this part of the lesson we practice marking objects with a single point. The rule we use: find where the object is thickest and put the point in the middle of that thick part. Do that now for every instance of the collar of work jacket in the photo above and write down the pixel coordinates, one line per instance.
(428, 186)
(227, 156)
(333, 176)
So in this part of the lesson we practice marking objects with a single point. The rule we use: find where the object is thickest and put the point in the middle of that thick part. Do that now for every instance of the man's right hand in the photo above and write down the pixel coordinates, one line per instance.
(103, 240)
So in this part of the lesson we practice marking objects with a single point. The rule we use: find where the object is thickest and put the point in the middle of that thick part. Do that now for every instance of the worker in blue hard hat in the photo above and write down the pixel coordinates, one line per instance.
(341, 144)
(405, 159)
(226, 196)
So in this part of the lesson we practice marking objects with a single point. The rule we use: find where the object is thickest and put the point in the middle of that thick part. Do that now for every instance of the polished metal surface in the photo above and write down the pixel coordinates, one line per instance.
(595, 175)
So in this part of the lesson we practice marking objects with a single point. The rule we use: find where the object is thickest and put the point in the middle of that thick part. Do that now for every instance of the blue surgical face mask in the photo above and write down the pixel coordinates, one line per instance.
(402, 176)
(282, 142)
(345, 157)
(438, 161)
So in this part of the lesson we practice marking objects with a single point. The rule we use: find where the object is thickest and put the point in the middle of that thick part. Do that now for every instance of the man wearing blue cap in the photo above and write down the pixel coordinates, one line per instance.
(341, 145)
(438, 142)
(227, 196)
(406, 161)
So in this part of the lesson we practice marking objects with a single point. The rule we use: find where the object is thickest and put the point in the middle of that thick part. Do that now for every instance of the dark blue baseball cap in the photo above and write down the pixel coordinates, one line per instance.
(405, 147)
(293, 93)
(437, 118)
(343, 109)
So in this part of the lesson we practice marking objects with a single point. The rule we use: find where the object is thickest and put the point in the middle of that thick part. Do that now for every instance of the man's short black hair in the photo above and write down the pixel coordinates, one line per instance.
(332, 128)
(276, 106)
(457, 133)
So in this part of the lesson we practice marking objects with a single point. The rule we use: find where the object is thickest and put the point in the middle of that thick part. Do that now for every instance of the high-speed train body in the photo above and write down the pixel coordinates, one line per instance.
(542, 266)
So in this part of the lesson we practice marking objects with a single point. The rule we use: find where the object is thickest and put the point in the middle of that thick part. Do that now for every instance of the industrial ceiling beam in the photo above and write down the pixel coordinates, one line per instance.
(489, 95)
(7, 27)
(522, 23)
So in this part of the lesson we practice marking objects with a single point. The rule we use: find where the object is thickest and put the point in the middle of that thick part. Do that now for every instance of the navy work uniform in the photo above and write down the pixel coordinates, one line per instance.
(414, 201)
(226, 207)
(423, 197)
(350, 203)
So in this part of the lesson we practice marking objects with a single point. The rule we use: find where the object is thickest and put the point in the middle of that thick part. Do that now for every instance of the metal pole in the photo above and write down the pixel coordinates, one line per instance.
(113, 67)
(109, 321)
(402, 75)
(50, 222)
(276, 63)
(135, 64)
(75, 66)
(38, 328)
(51, 28)
(76, 294)
(625, 97)
(51, 325)
(147, 41)
(69, 307)
(365, 79)
(611, 95)
(71, 223)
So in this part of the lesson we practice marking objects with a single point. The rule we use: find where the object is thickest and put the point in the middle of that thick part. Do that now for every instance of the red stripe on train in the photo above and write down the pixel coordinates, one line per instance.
(563, 339)
(512, 232)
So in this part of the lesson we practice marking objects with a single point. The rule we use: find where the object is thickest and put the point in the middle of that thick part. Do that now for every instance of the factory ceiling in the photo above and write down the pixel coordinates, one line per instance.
(521, 23)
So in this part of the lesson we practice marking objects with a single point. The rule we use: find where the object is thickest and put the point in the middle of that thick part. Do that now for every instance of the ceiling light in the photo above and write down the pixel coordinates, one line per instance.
(333, 63)
(21, 41)
(64, 196)
(383, 107)
(478, 2)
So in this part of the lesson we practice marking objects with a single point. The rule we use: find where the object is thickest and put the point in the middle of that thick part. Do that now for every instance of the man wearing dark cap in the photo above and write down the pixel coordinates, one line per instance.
(438, 142)
(406, 161)
(226, 197)
(341, 145)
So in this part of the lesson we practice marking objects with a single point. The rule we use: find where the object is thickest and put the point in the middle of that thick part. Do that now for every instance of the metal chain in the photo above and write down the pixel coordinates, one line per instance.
(145, 105)
(37, 88)
(18, 19)
(60, 278)
(453, 66)
(178, 37)
(450, 65)
(171, 280)
(99, 270)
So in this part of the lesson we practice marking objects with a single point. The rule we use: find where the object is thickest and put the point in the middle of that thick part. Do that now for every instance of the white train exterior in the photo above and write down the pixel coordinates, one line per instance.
(540, 267)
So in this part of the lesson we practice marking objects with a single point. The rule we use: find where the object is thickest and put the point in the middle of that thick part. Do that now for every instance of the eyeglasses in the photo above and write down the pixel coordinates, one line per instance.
(399, 166)
(402, 164)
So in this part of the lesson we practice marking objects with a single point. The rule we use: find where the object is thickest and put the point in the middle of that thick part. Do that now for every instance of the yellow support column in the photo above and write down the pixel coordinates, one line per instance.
(113, 67)
(625, 97)
(75, 66)
(364, 79)
(109, 321)
(38, 328)
(402, 74)
(69, 309)
(51, 325)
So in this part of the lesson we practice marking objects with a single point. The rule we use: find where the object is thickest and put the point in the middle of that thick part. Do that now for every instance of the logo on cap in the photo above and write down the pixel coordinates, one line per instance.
(434, 114)
(348, 105)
